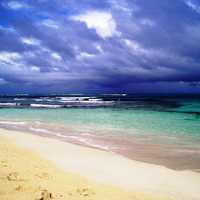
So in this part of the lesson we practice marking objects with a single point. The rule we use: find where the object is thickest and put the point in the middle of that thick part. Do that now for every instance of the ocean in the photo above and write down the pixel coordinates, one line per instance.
(159, 129)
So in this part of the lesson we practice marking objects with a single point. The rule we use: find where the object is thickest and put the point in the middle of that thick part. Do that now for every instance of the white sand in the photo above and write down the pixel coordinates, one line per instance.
(113, 169)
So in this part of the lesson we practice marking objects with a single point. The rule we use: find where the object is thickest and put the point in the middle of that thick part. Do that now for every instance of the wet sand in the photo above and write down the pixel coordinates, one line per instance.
(174, 153)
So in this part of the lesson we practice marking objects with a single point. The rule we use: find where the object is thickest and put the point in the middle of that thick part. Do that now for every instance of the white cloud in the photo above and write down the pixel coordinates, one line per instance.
(34, 68)
(30, 41)
(132, 45)
(56, 56)
(11, 62)
(137, 49)
(16, 5)
(55, 69)
(102, 22)
(2, 81)
(9, 57)
(84, 55)
(99, 47)
(193, 6)
(50, 23)
(7, 29)
(147, 22)
(121, 6)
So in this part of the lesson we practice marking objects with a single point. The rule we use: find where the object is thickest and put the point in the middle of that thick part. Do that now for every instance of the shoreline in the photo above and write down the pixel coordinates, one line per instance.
(110, 168)
(150, 149)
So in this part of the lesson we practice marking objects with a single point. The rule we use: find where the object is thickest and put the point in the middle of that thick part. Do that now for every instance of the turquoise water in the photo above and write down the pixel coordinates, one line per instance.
(121, 119)
(161, 131)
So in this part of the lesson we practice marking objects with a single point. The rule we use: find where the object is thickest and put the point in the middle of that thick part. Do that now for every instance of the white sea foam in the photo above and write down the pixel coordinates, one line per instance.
(19, 99)
(91, 144)
(85, 141)
(8, 104)
(45, 106)
(40, 130)
(86, 134)
(67, 136)
(95, 100)
(12, 123)
(72, 98)
(87, 102)
(38, 100)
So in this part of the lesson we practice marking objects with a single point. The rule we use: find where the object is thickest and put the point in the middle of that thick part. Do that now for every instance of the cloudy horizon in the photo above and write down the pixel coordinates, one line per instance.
(91, 46)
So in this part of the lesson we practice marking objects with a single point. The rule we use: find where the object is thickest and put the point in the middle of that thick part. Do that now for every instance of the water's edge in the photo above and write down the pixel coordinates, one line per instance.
(135, 148)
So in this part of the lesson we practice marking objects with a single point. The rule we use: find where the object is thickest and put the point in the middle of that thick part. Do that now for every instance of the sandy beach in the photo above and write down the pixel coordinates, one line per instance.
(34, 167)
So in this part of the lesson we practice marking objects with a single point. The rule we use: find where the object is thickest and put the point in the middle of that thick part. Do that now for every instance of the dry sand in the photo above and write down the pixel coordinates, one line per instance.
(34, 167)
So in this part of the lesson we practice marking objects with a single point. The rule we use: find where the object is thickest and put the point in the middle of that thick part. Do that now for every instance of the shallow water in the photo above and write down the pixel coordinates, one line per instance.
(161, 130)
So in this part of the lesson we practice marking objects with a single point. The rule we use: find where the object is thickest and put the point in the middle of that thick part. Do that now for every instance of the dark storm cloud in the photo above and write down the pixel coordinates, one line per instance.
(69, 45)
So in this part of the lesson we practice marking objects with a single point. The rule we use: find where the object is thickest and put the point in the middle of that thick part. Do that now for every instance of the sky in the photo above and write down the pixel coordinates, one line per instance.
(99, 46)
